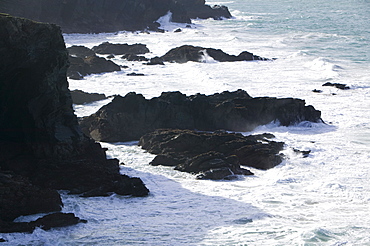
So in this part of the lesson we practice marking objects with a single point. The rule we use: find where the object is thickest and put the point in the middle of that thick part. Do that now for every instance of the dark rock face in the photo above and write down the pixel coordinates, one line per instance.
(40, 139)
(96, 16)
(19, 197)
(130, 117)
(120, 49)
(35, 102)
(187, 53)
(81, 97)
(87, 174)
(211, 155)
(80, 67)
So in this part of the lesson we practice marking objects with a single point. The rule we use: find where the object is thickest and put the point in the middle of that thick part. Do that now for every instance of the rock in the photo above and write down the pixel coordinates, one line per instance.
(47, 222)
(40, 139)
(120, 49)
(80, 51)
(187, 53)
(135, 74)
(75, 75)
(216, 174)
(128, 118)
(126, 187)
(304, 153)
(184, 54)
(80, 67)
(164, 160)
(36, 60)
(260, 156)
(155, 61)
(95, 16)
(337, 85)
(215, 155)
(19, 197)
(217, 12)
(132, 57)
(86, 173)
(57, 220)
(81, 97)
(198, 9)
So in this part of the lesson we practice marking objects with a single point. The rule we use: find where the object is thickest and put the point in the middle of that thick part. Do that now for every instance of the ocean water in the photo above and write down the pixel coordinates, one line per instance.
(319, 200)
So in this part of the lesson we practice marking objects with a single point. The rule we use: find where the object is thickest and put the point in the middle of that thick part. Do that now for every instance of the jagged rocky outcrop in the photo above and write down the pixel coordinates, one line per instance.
(94, 16)
(337, 85)
(120, 49)
(187, 53)
(198, 9)
(80, 51)
(217, 155)
(46, 222)
(130, 117)
(81, 97)
(40, 139)
(80, 67)
(84, 61)
(131, 57)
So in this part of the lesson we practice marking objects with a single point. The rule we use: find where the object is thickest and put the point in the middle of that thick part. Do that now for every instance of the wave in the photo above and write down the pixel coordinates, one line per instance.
(165, 20)
(166, 23)
(320, 235)
(304, 128)
(324, 65)
(207, 58)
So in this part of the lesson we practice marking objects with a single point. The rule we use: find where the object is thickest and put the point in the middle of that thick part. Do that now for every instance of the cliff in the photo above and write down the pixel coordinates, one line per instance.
(41, 144)
(94, 16)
